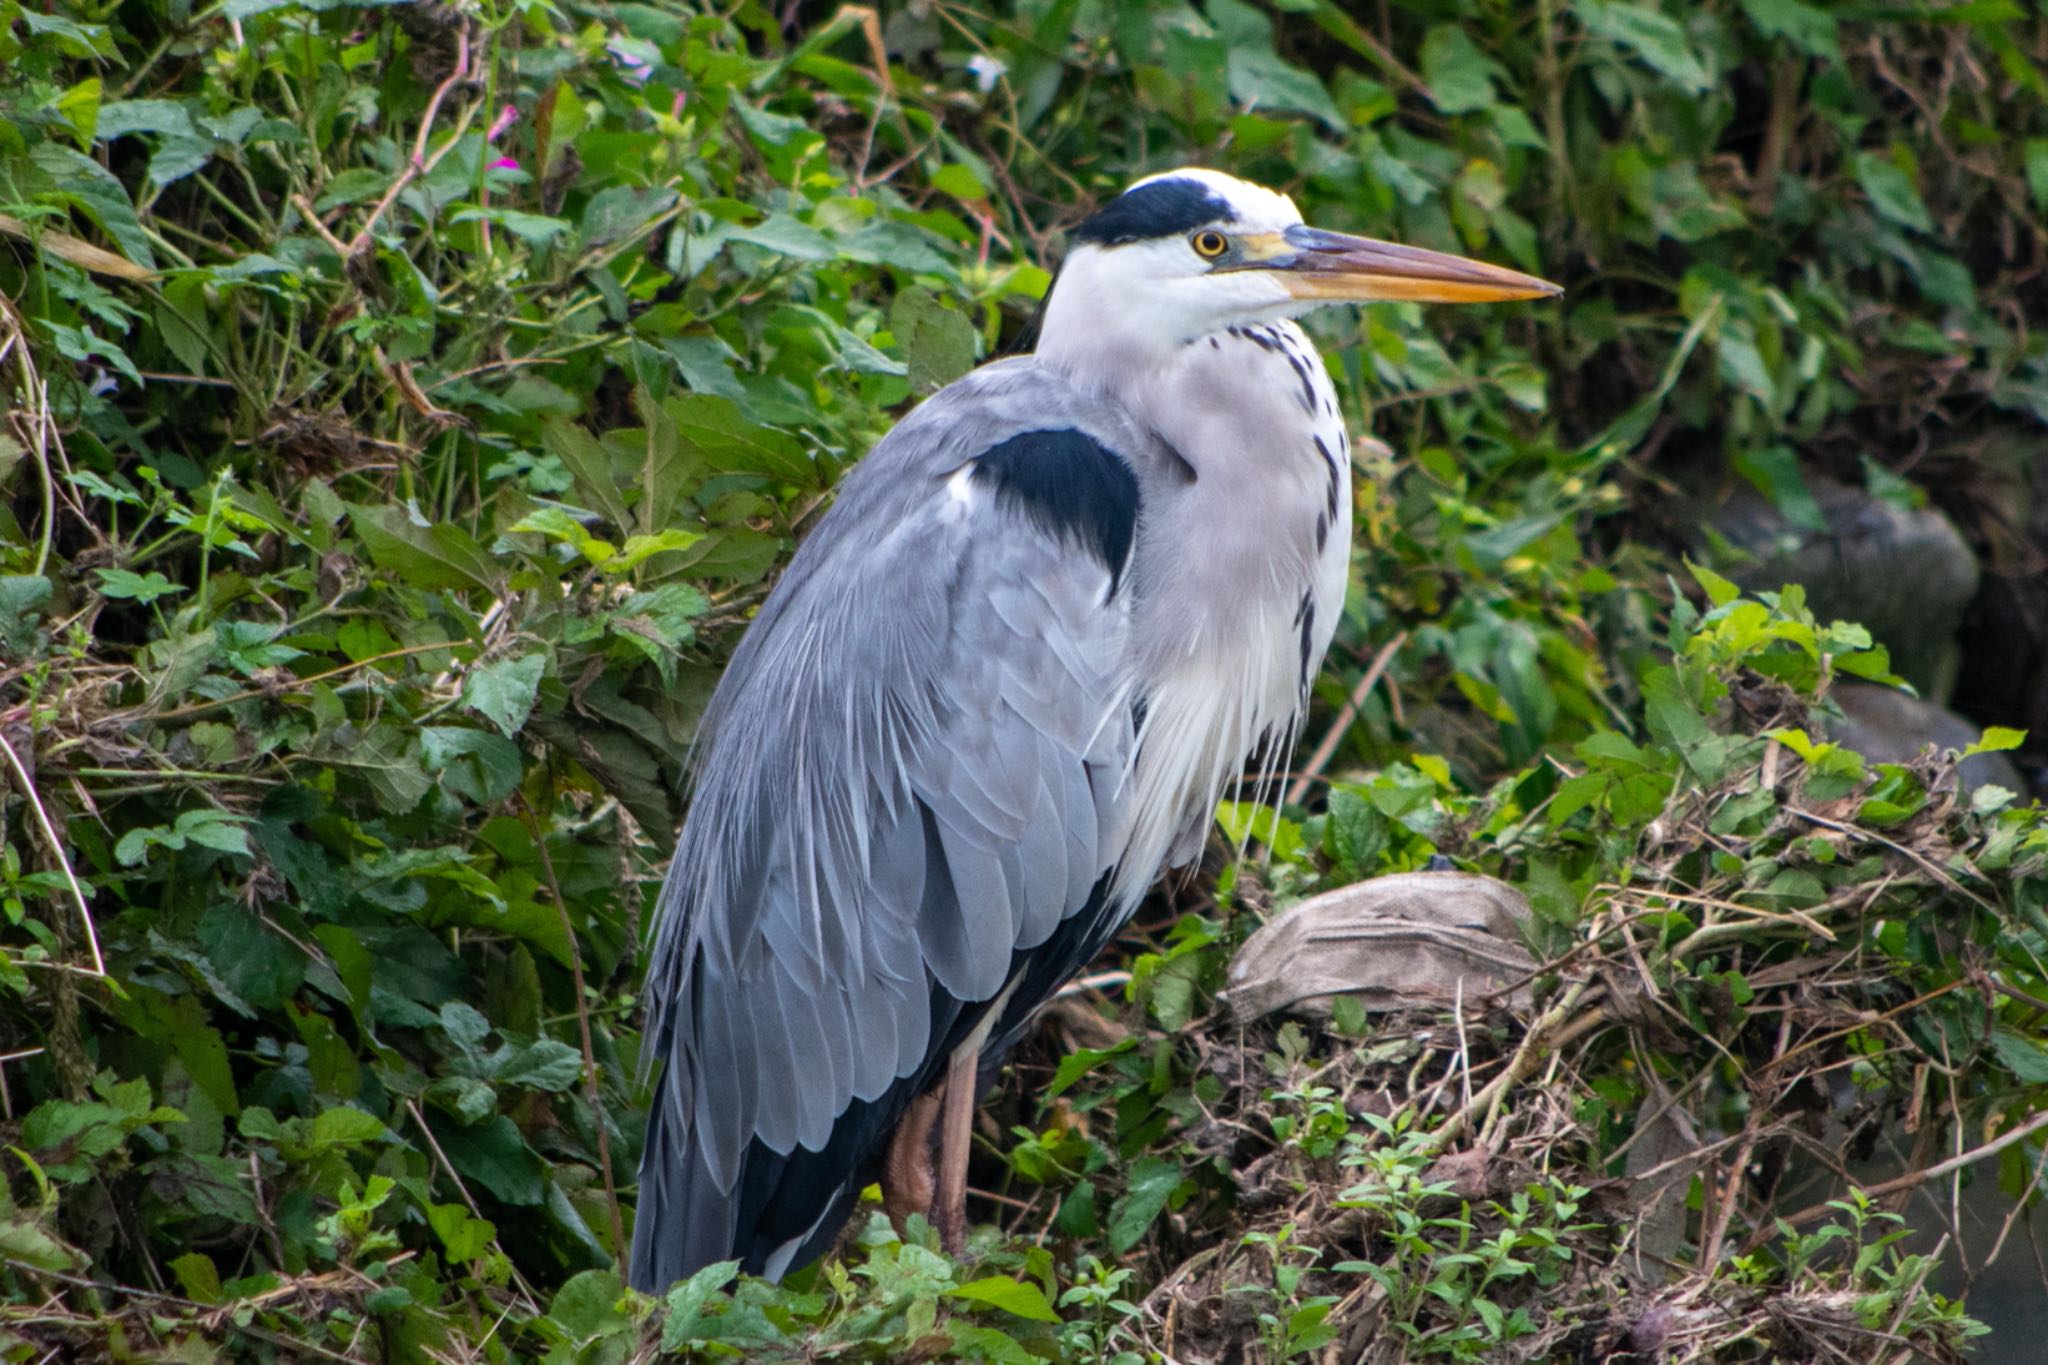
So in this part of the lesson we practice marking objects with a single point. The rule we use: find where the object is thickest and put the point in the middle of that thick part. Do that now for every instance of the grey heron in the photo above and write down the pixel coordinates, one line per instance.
(998, 690)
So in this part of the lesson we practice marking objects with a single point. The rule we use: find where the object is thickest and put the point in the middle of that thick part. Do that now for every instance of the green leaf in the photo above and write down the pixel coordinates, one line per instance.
(2036, 158)
(1080, 1062)
(938, 343)
(475, 764)
(214, 829)
(730, 441)
(1258, 77)
(464, 1026)
(618, 211)
(495, 1156)
(587, 1306)
(1806, 27)
(782, 233)
(2025, 1058)
(384, 758)
(1996, 739)
(259, 966)
(534, 229)
(1892, 191)
(545, 1065)
(688, 1300)
(639, 549)
(342, 1126)
(1016, 1297)
(1356, 834)
(1720, 592)
(464, 1098)
(1152, 1182)
(972, 1341)
(82, 182)
(29, 1244)
(73, 39)
(423, 554)
(960, 181)
(123, 117)
(503, 690)
(1459, 75)
(590, 465)
(1651, 35)
(466, 1238)
(80, 108)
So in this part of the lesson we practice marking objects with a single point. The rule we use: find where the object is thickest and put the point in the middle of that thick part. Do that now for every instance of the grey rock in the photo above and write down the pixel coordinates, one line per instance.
(1890, 727)
(1906, 573)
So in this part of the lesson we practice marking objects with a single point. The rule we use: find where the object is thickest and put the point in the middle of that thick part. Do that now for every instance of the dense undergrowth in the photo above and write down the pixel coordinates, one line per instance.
(407, 404)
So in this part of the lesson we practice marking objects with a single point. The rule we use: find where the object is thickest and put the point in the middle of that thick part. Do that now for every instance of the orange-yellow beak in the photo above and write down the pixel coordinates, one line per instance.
(1332, 266)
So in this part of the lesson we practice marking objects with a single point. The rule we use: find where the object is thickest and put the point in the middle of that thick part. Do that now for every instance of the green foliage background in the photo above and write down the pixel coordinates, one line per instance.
(408, 404)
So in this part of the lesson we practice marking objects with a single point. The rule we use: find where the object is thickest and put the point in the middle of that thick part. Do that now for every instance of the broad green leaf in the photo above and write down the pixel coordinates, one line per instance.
(256, 964)
(960, 181)
(383, 757)
(730, 441)
(687, 1301)
(545, 1065)
(1152, 1181)
(591, 466)
(1996, 739)
(33, 1246)
(123, 117)
(495, 1156)
(1776, 473)
(475, 764)
(1653, 36)
(1892, 191)
(342, 1126)
(2036, 160)
(86, 41)
(464, 1237)
(141, 588)
(618, 211)
(971, 1341)
(1078, 1063)
(423, 554)
(467, 1099)
(1807, 27)
(1720, 591)
(503, 690)
(1459, 75)
(1016, 1297)
(937, 342)
(80, 108)
(2020, 1054)
(639, 549)
(587, 1306)
(84, 183)
(782, 233)
(463, 1025)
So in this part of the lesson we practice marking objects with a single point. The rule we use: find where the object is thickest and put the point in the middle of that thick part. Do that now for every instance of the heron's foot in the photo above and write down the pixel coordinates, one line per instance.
(907, 1178)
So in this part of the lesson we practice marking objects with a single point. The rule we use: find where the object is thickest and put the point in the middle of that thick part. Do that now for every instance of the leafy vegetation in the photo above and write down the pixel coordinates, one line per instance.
(407, 404)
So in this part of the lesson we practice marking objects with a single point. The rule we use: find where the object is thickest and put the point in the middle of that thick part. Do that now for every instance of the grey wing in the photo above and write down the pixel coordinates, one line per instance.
(912, 778)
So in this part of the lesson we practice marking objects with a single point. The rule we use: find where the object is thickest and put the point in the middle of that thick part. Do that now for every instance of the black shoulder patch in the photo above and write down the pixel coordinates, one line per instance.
(1071, 486)
(1162, 208)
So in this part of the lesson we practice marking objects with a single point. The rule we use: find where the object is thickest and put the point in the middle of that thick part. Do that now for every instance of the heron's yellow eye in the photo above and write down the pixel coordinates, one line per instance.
(1210, 243)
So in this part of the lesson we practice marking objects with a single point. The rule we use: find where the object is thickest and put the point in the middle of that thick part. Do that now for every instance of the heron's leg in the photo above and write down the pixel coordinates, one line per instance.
(956, 1135)
(907, 1165)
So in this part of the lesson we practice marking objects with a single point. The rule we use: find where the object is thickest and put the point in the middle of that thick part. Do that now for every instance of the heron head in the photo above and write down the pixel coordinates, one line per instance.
(1189, 252)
